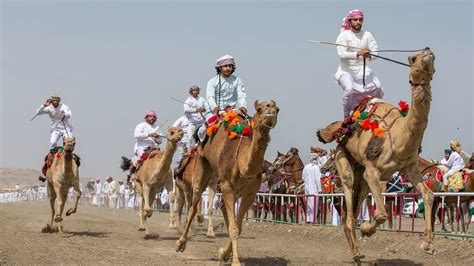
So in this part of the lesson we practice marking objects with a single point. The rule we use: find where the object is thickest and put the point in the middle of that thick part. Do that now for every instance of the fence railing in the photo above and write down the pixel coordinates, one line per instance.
(405, 209)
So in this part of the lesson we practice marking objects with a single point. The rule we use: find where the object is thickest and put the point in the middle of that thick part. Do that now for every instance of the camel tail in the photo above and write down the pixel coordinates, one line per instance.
(320, 138)
(125, 164)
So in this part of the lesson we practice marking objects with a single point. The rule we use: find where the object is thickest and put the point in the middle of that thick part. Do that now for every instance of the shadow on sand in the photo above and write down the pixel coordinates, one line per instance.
(86, 233)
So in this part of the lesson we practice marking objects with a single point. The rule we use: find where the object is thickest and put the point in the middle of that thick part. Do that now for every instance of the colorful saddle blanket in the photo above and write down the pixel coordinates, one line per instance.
(456, 182)
(148, 153)
(56, 153)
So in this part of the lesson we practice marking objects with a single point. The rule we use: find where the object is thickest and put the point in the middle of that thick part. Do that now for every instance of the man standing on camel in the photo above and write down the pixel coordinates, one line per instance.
(59, 114)
(356, 79)
(226, 90)
(195, 108)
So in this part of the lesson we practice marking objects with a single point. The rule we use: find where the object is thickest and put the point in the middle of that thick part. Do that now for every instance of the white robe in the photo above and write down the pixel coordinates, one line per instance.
(231, 92)
(58, 128)
(142, 140)
(312, 186)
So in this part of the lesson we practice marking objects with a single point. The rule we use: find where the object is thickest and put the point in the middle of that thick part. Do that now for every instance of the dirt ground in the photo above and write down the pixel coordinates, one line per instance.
(106, 236)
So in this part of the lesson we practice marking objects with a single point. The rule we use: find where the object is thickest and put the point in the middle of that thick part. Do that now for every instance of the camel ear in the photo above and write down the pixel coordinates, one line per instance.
(279, 153)
(257, 106)
(411, 59)
(273, 102)
(294, 150)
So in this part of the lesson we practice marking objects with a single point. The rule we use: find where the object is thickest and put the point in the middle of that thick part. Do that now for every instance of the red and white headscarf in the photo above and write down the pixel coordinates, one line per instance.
(355, 13)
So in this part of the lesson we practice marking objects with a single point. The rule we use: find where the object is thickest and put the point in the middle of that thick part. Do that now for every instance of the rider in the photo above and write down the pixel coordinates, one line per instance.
(194, 109)
(147, 135)
(350, 74)
(455, 162)
(226, 90)
(182, 122)
(59, 114)
(447, 153)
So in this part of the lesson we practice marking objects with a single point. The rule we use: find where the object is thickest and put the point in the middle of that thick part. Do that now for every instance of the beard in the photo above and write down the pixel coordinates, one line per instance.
(357, 27)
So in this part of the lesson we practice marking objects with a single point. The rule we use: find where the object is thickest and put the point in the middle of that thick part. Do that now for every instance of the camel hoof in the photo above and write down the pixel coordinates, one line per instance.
(222, 256)
(70, 211)
(428, 248)
(148, 212)
(58, 219)
(172, 226)
(141, 229)
(366, 230)
(211, 234)
(200, 220)
(180, 245)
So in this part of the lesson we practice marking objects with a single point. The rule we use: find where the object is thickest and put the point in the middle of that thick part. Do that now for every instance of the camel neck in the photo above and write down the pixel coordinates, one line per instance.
(68, 159)
(165, 162)
(252, 160)
(417, 120)
(298, 174)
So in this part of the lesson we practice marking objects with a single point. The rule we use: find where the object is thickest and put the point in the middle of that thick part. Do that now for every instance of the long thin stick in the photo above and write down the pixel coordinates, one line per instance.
(34, 117)
(353, 47)
(188, 105)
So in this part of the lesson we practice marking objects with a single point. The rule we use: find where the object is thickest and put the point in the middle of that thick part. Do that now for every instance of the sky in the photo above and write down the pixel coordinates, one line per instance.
(111, 61)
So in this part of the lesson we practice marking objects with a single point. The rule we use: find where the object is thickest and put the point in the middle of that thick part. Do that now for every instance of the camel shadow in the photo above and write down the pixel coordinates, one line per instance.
(390, 262)
(87, 233)
(264, 261)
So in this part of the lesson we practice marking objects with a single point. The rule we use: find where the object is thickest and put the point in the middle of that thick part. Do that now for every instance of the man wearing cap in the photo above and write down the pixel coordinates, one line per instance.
(226, 90)
(59, 114)
(356, 79)
(312, 186)
(195, 108)
(455, 162)
(147, 134)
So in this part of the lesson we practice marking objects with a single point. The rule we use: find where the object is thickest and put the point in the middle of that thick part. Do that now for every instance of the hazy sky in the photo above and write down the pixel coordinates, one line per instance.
(113, 60)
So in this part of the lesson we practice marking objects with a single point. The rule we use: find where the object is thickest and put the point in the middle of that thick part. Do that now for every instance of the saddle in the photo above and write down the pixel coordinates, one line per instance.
(56, 153)
(340, 131)
(148, 153)
(456, 182)
(179, 170)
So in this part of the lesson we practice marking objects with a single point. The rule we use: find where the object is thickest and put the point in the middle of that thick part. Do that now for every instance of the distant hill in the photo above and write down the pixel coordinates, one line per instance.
(9, 177)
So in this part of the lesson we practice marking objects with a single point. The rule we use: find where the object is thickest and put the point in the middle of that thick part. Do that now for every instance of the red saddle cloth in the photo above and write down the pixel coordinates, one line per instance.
(348, 125)
(148, 153)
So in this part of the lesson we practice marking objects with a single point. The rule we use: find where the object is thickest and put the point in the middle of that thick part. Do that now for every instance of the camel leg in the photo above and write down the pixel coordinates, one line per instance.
(172, 216)
(77, 194)
(188, 198)
(345, 168)
(52, 198)
(201, 175)
(372, 176)
(233, 230)
(147, 202)
(200, 217)
(60, 203)
(210, 210)
(151, 197)
(180, 204)
(414, 176)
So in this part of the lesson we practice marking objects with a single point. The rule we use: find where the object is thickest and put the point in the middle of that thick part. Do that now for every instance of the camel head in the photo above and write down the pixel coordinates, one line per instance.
(266, 115)
(175, 134)
(69, 143)
(422, 67)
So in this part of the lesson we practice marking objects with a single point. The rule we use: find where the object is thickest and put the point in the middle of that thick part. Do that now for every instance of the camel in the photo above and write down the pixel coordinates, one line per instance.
(184, 195)
(287, 173)
(152, 176)
(62, 175)
(238, 164)
(429, 171)
(366, 159)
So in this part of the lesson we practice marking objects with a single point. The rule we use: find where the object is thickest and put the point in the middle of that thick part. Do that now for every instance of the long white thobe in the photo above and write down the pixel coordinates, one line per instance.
(230, 92)
(142, 140)
(350, 72)
(312, 186)
(58, 128)
(190, 106)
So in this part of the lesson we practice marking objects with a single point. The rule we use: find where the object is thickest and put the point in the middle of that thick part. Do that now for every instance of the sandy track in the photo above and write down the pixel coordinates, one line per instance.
(105, 236)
